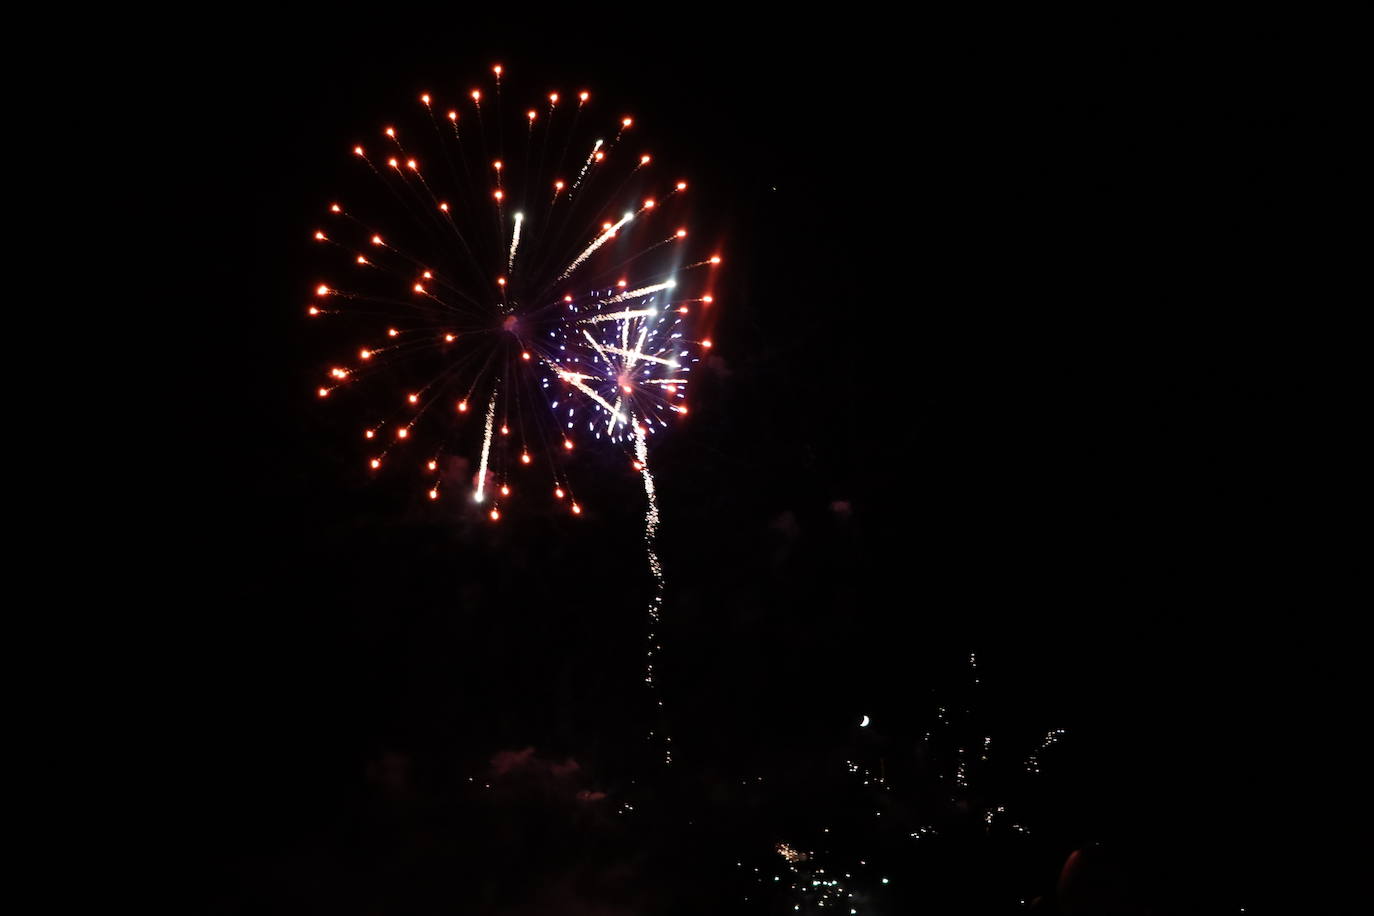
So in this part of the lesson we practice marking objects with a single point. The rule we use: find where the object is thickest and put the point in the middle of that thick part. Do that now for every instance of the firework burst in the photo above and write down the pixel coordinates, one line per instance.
(517, 293)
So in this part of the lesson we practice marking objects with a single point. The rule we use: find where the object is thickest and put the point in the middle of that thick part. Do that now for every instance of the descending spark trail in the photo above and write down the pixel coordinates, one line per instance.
(655, 568)
(486, 449)
(600, 240)
(515, 241)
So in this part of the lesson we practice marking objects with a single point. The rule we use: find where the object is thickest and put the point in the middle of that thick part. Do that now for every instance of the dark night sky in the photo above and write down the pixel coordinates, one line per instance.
(1023, 298)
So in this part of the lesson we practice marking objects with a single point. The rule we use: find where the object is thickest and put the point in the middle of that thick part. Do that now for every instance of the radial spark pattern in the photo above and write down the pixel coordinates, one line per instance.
(518, 293)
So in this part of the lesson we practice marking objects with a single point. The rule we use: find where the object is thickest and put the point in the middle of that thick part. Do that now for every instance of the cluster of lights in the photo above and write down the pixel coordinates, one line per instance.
(808, 883)
(1033, 761)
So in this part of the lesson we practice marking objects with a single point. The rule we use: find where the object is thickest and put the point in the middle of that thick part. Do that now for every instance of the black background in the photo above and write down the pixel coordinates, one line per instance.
(1029, 297)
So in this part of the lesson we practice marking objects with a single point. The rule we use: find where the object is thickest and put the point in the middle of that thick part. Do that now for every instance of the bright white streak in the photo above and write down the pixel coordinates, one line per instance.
(642, 291)
(614, 316)
(597, 347)
(514, 241)
(486, 449)
(614, 416)
(596, 243)
(586, 165)
(635, 354)
(574, 379)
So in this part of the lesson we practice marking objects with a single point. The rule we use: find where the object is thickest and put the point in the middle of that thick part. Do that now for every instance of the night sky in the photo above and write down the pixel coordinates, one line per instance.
(1005, 364)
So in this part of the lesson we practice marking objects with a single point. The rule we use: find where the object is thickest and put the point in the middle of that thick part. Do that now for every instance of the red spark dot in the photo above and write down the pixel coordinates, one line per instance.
(682, 311)
(419, 288)
(362, 260)
(312, 311)
(410, 163)
(558, 185)
(433, 494)
(505, 430)
(357, 150)
(496, 165)
(477, 95)
(682, 185)
(531, 114)
(706, 344)
(605, 226)
(636, 465)
(558, 492)
(443, 207)
(621, 283)
(715, 259)
(425, 98)
(322, 290)
(364, 354)
(524, 457)
(500, 281)
(567, 444)
(369, 434)
(577, 510)
(376, 463)
(627, 122)
(391, 132)
(319, 236)
(496, 69)
(495, 515)
(324, 392)
(525, 355)
(392, 332)
(499, 195)
(600, 155)
(567, 298)
(583, 96)
(553, 98)
(644, 160)
(335, 208)
(682, 233)
(449, 338)
(453, 116)
(432, 464)
(462, 406)
(708, 298)
(393, 163)
(376, 240)
(682, 410)
(427, 275)
(505, 490)
(414, 399)
(402, 433)
(649, 204)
